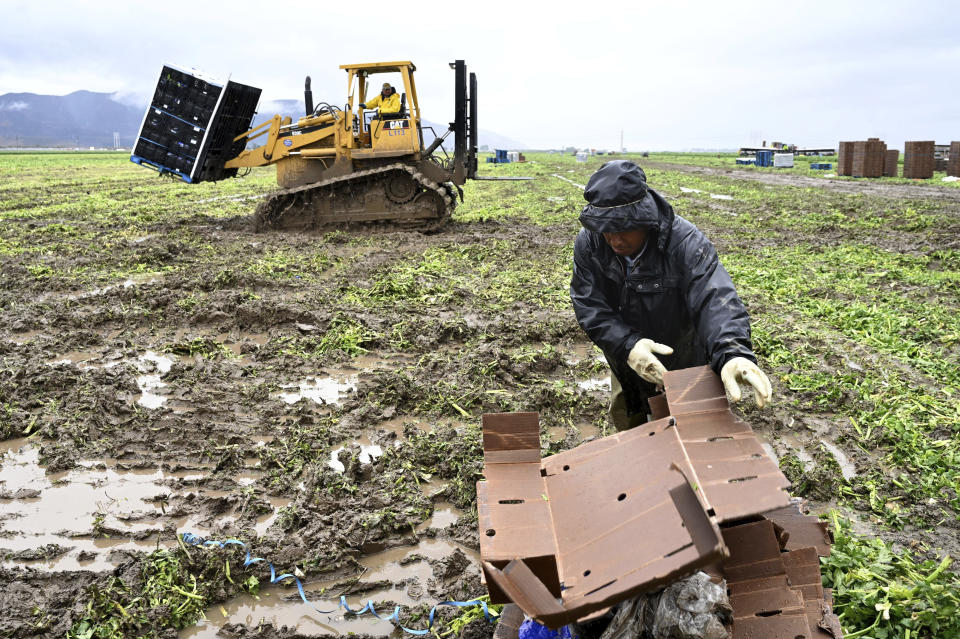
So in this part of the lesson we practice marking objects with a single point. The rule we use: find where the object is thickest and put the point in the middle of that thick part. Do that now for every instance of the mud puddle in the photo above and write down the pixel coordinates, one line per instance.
(247, 477)
(433, 486)
(73, 358)
(582, 352)
(398, 425)
(586, 431)
(596, 383)
(67, 509)
(151, 366)
(149, 382)
(445, 515)
(265, 521)
(847, 469)
(793, 445)
(134, 280)
(23, 338)
(713, 196)
(369, 453)
(407, 569)
(243, 346)
(79, 553)
(319, 390)
(80, 519)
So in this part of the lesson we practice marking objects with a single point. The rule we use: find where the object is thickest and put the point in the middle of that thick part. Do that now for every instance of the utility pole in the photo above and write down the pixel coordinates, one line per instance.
(621, 141)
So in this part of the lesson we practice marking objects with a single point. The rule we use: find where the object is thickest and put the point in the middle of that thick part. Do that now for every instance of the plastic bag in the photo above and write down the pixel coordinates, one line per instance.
(691, 608)
(530, 629)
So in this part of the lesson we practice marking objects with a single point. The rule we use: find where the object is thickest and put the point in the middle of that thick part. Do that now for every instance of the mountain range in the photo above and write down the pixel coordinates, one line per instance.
(85, 119)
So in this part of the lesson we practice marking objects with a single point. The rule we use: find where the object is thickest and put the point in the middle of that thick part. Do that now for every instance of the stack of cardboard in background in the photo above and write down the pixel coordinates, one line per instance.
(890, 167)
(953, 162)
(918, 159)
(845, 158)
(567, 536)
(869, 158)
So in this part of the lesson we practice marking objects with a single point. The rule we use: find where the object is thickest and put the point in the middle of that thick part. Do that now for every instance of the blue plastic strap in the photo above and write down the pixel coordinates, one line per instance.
(249, 560)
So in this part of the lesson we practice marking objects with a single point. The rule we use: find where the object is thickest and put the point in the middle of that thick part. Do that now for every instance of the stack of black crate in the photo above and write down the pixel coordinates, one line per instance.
(191, 123)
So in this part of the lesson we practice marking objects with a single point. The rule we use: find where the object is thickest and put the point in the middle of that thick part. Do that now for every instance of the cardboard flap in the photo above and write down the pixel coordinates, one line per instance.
(525, 589)
(739, 480)
(658, 406)
(511, 437)
(801, 531)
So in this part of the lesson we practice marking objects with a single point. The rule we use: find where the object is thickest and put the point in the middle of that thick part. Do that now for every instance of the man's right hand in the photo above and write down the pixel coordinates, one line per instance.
(643, 360)
(363, 105)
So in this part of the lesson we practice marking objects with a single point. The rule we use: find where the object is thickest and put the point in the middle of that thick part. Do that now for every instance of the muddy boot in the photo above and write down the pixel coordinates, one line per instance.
(508, 626)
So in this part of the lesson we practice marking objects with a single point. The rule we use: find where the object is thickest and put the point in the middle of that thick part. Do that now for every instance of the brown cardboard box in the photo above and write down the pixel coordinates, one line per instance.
(574, 533)
(589, 527)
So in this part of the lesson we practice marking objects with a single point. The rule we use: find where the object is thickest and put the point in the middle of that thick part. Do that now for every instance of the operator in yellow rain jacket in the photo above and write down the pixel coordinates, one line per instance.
(388, 101)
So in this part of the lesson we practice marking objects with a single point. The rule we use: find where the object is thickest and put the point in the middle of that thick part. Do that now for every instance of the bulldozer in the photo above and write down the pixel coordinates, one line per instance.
(334, 165)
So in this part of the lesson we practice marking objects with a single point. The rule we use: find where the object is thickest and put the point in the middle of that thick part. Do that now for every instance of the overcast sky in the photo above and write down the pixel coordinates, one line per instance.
(669, 75)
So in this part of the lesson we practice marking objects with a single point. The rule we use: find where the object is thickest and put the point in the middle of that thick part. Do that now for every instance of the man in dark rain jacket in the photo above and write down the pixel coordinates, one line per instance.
(649, 290)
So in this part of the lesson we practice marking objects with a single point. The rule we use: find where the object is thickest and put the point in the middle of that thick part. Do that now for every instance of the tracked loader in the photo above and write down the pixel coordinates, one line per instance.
(334, 165)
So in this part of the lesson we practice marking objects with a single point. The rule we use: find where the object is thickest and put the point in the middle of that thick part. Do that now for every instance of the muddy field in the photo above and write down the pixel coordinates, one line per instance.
(165, 369)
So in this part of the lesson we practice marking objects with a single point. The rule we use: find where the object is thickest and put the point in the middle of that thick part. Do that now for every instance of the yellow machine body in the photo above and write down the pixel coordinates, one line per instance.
(351, 164)
(341, 136)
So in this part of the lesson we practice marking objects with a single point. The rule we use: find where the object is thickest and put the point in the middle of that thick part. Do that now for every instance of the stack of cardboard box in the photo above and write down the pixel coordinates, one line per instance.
(953, 162)
(918, 159)
(869, 158)
(845, 158)
(890, 167)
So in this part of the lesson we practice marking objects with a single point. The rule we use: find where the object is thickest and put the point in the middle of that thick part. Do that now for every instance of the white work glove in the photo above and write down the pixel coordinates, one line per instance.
(645, 363)
(741, 369)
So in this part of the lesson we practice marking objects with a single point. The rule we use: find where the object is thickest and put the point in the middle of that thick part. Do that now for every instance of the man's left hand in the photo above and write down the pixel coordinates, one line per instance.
(741, 369)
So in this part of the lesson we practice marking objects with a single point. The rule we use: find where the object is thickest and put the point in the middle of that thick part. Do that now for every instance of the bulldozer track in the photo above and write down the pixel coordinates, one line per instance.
(271, 211)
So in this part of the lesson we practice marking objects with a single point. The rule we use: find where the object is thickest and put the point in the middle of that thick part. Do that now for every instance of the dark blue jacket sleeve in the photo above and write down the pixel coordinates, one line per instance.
(720, 318)
(597, 315)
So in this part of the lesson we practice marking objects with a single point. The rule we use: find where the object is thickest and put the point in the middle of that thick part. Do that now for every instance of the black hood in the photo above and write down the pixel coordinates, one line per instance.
(620, 200)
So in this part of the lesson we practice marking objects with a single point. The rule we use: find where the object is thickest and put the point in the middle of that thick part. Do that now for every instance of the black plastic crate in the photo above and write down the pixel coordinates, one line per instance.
(190, 125)
(236, 111)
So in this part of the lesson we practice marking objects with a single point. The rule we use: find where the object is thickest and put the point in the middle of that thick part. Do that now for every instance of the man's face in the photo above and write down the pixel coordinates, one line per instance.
(626, 242)
(387, 92)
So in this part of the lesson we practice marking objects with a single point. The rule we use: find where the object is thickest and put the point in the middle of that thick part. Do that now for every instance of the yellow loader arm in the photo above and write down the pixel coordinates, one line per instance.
(285, 139)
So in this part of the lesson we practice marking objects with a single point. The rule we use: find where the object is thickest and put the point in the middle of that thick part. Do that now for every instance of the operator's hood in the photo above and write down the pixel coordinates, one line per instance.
(620, 200)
